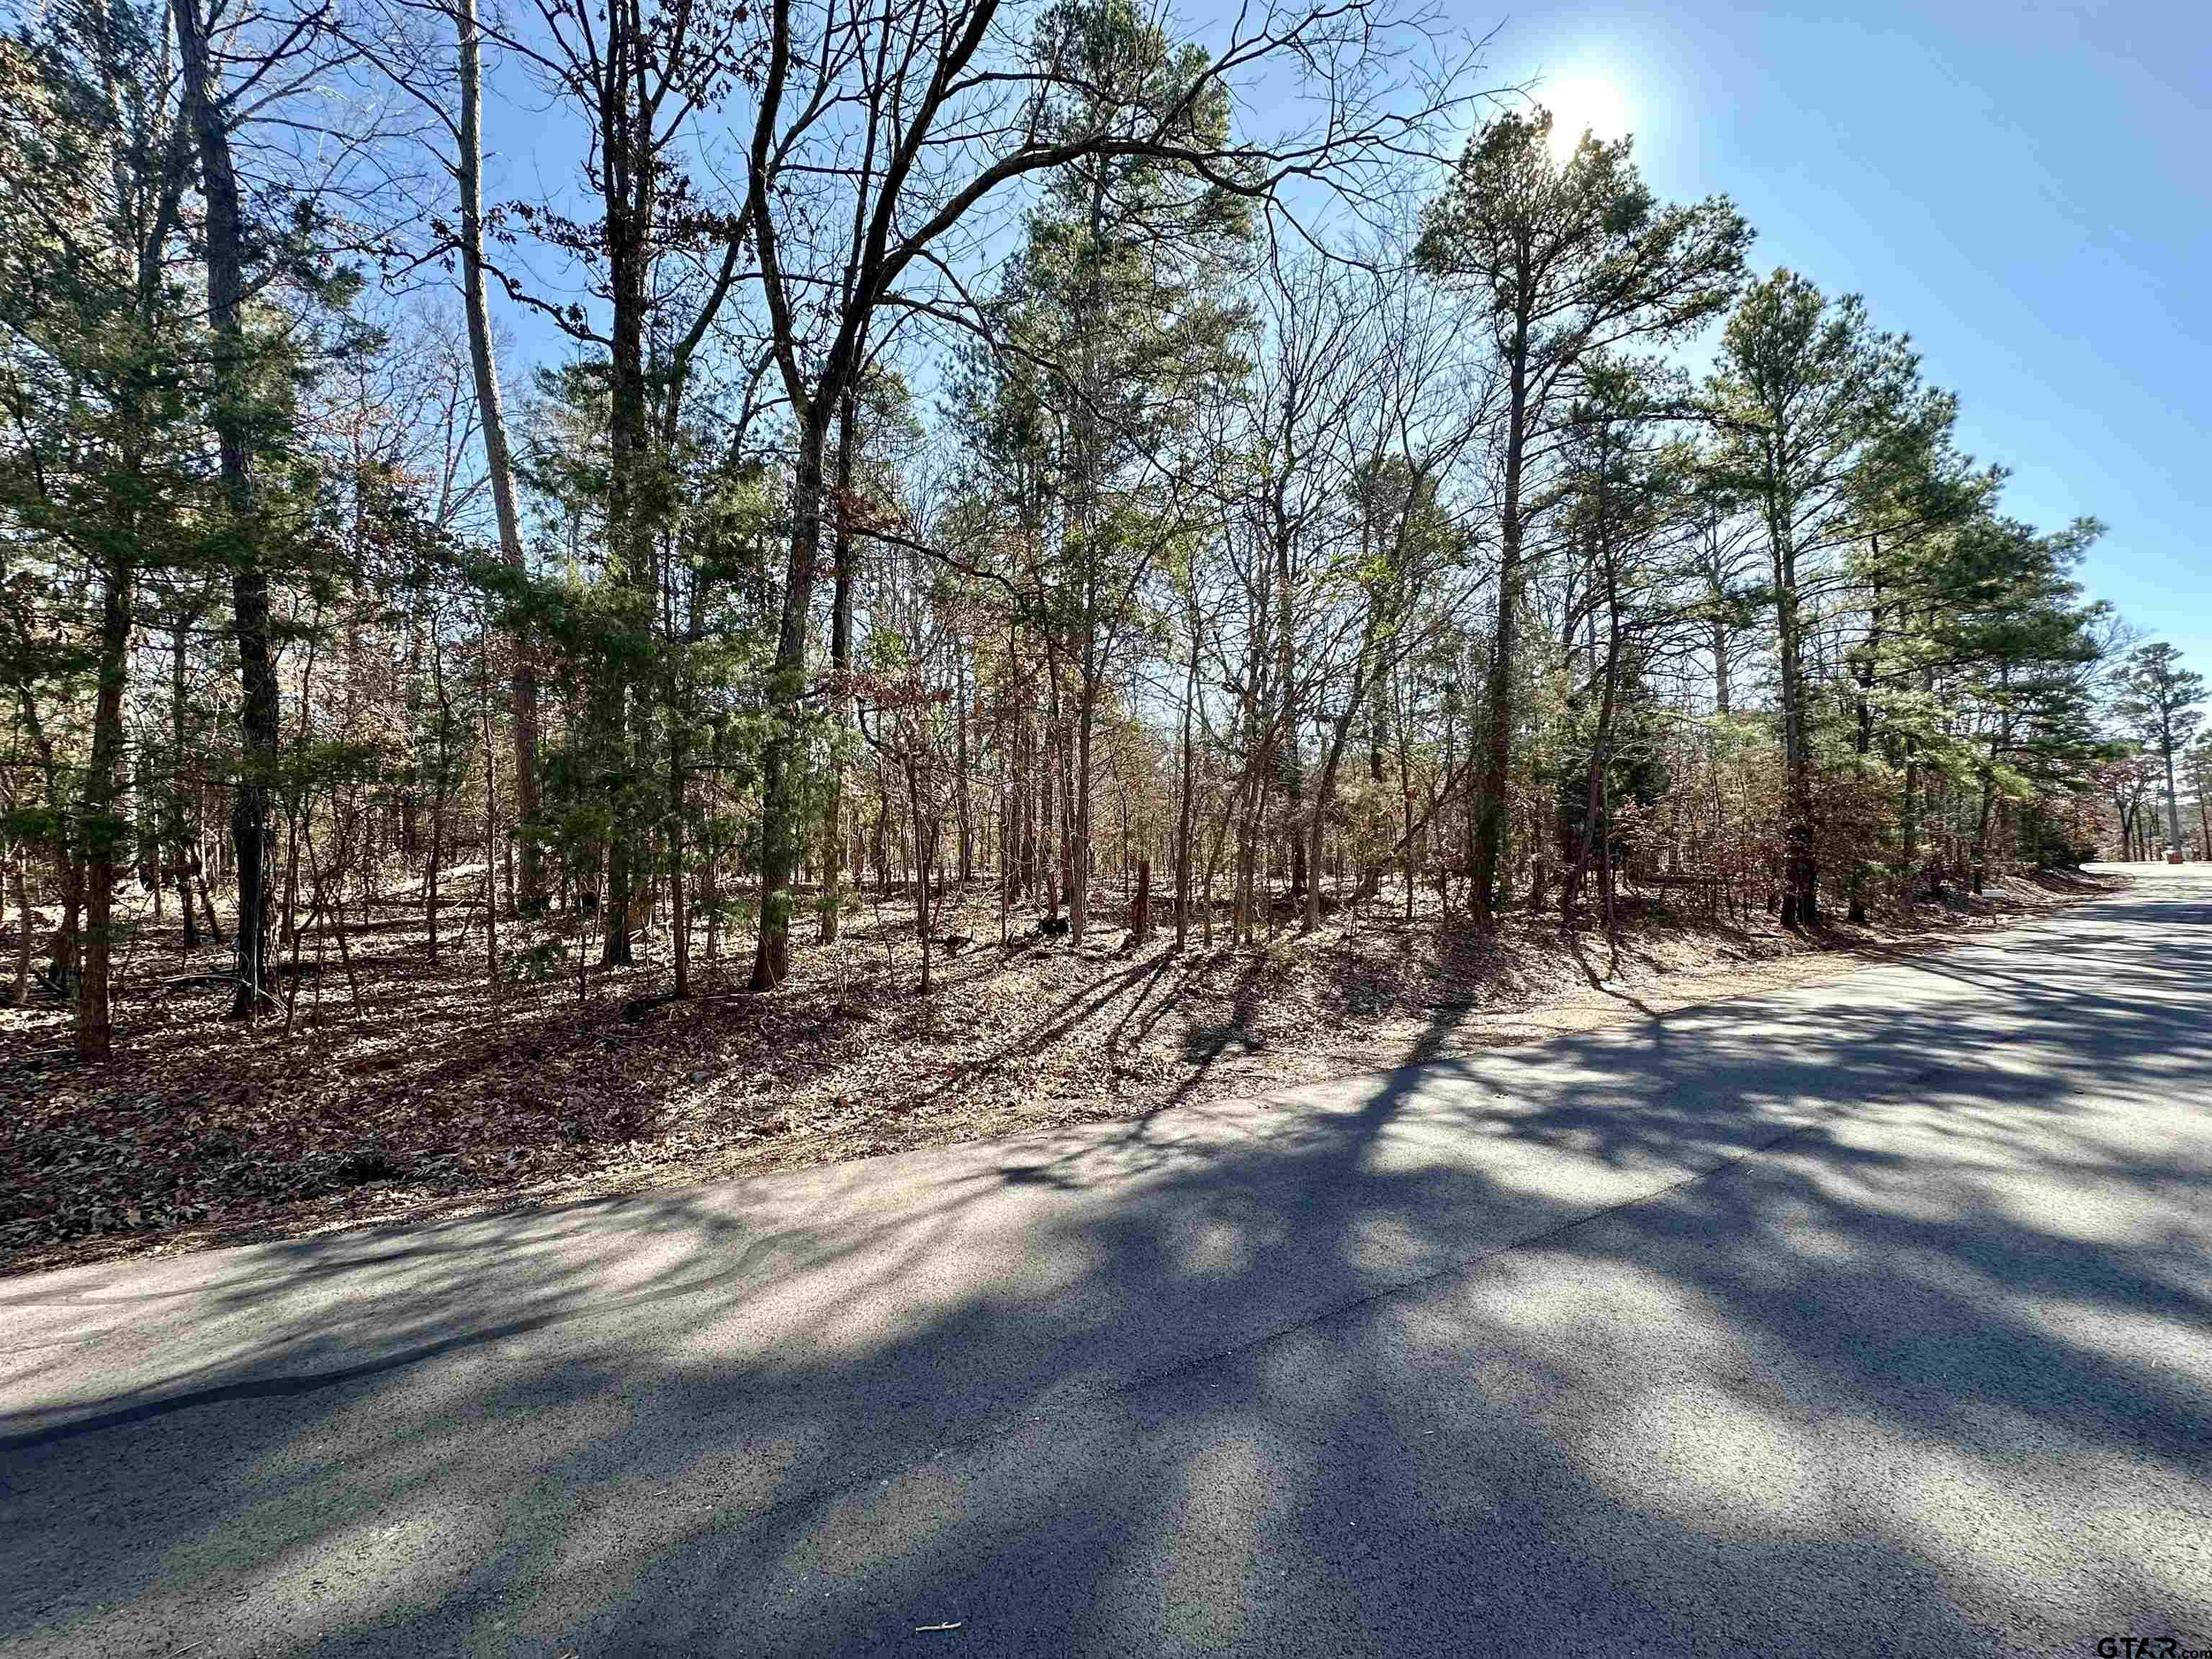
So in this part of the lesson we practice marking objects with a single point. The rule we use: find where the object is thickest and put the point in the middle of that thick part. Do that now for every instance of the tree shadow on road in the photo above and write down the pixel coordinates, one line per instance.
(1734, 1328)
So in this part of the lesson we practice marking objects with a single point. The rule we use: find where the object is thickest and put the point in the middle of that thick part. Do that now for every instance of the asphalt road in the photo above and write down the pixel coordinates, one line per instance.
(1874, 1317)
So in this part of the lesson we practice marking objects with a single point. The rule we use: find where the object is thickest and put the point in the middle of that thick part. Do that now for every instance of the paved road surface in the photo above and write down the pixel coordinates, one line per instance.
(1871, 1318)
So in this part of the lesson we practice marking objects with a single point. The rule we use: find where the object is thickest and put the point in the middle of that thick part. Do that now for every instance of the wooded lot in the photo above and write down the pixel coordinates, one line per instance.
(894, 519)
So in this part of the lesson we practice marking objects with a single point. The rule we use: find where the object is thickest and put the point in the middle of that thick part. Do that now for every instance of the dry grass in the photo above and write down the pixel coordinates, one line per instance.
(436, 1098)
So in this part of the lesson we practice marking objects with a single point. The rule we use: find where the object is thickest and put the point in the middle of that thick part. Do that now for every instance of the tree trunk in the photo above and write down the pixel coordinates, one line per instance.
(2172, 800)
(882, 830)
(207, 904)
(1075, 849)
(1862, 739)
(67, 961)
(498, 467)
(1597, 827)
(491, 835)
(841, 659)
(442, 790)
(1488, 828)
(99, 829)
(1292, 757)
(2000, 745)
(1183, 810)
(628, 172)
(1911, 821)
(780, 792)
(224, 238)
(433, 871)
(1798, 876)
(1982, 831)
(180, 841)
(1030, 792)
(961, 802)
(924, 852)
(22, 896)
(680, 903)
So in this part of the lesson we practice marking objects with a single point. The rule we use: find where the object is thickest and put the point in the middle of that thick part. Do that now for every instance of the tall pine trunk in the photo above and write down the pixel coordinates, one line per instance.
(1799, 873)
(179, 837)
(1486, 850)
(1597, 829)
(1863, 739)
(841, 659)
(498, 467)
(224, 237)
(100, 828)
(1183, 824)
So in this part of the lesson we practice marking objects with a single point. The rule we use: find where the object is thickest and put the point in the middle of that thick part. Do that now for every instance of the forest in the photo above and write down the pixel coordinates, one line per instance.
(607, 574)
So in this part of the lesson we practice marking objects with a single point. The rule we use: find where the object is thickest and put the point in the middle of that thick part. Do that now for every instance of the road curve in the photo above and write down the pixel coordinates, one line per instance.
(1874, 1317)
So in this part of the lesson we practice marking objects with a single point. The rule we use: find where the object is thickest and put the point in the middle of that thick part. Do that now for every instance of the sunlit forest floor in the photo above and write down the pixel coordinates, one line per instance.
(436, 1098)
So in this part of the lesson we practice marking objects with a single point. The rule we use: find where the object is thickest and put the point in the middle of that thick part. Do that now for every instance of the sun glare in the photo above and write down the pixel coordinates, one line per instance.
(1581, 102)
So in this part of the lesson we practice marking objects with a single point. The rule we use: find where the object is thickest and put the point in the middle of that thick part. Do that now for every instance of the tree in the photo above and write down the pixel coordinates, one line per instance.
(1806, 393)
(1562, 264)
(467, 175)
(1373, 569)
(2159, 700)
(225, 236)
(448, 89)
(1625, 492)
(2198, 762)
(1914, 566)
(95, 379)
(256, 73)
(1109, 327)
(851, 216)
(641, 73)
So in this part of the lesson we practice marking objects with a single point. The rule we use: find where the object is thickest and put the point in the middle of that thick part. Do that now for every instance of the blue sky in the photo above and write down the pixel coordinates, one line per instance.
(2025, 189)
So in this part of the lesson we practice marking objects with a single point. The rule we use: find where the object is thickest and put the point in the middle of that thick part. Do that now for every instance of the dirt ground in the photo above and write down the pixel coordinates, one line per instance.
(436, 1098)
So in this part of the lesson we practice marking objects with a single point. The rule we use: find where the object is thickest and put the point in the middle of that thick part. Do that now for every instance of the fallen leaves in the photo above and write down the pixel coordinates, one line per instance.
(435, 1097)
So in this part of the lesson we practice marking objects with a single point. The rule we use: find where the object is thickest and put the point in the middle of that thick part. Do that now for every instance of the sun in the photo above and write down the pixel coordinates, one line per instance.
(1578, 102)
